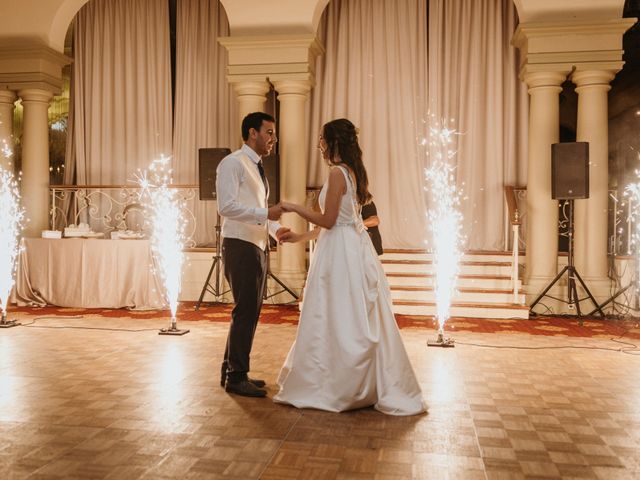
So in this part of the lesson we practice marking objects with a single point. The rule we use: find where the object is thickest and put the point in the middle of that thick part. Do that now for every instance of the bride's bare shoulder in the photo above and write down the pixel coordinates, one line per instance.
(335, 174)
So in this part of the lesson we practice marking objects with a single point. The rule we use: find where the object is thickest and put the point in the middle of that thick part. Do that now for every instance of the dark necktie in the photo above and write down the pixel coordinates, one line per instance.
(261, 170)
(263, 177)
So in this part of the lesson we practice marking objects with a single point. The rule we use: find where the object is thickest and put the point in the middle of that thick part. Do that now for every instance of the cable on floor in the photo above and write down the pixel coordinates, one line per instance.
(73, 327)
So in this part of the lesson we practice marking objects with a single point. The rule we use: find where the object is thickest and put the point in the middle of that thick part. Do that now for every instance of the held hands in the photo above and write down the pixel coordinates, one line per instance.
(275, 212)
(289, 207)
(284, 234)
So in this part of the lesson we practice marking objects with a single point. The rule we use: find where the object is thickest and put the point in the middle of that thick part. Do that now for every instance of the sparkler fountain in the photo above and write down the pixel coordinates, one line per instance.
(632, 192)
(11, 219)
(162, 205)
(445, 223)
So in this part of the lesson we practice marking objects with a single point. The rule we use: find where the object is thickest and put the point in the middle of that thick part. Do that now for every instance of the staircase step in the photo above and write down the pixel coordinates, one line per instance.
(463, 309)
(476, 295)
(472, 281)
(466, 268)
(467, 256)
(484, 285)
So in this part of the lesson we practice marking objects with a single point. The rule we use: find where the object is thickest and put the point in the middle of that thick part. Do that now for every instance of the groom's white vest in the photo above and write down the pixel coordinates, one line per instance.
(251, 194)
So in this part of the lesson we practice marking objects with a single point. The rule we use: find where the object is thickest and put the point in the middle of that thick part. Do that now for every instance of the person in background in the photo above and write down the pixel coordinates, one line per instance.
(371, 221)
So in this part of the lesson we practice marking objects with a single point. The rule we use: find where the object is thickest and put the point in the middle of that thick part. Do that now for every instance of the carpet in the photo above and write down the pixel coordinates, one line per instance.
(288, 314)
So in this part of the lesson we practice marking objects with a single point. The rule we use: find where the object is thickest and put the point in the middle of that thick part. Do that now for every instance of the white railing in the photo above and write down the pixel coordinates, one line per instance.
(108, 208)
(514, 259)
(511, 195)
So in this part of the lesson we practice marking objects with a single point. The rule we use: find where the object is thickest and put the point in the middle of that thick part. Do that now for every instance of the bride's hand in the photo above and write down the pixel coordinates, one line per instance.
(288, 207)
(289, 237)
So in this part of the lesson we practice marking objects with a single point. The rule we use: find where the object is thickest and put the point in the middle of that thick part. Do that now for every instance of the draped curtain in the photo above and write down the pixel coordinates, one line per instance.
(473, 78)
(374, 72)
(122, 88)
(390, 67)
(205, 106)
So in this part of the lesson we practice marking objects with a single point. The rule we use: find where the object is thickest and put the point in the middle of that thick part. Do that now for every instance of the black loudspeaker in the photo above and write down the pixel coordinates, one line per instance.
(208, 161)
(570, 170)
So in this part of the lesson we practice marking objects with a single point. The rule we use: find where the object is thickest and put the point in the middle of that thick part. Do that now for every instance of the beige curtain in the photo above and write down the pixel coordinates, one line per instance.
(374, 73)
(473, 78)
(205, 106)
(122, 81)
(388, 67)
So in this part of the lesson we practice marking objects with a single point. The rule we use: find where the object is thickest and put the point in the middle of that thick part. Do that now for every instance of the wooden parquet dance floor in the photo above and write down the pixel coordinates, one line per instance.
(105, 397)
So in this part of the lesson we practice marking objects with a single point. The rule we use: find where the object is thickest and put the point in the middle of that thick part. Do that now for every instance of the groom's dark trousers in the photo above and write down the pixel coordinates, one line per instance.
(245, 268)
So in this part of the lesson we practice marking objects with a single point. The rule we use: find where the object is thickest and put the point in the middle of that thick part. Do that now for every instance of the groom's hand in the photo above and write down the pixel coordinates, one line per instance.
(288, 207)
(275, 212)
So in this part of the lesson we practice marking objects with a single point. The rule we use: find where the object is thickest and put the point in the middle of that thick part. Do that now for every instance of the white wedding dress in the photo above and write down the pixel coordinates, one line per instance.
(348, 352)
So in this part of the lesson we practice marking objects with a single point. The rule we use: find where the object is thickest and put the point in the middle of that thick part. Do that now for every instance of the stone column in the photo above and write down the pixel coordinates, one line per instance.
(35, 159)
(293, 95)
(591, 215)
(7, 98)
(251, 97)
(542, 210)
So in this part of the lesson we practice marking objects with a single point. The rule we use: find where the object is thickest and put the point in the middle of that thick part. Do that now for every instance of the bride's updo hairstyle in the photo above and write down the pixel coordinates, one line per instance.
(342, 145)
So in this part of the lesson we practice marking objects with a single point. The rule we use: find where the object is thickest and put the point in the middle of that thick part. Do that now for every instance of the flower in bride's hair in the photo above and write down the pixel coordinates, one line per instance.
(357, 131)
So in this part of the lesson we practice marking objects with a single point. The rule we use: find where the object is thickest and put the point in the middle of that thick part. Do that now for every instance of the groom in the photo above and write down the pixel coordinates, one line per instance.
(243, 191)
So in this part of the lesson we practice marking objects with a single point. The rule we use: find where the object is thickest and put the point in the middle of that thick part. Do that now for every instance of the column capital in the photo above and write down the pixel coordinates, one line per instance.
(593, 78)
(254, 87)
(293, 86)
(7, 96)
(276, 57)
(25, 64)
(570, 42)
(36, 95)
(544, 78)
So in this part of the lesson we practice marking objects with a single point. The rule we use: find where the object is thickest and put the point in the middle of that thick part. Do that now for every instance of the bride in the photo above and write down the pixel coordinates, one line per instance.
(348, 352)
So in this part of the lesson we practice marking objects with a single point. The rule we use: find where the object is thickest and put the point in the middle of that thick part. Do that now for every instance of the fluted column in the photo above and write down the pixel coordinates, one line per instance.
(7, 98)
(251, 96)
(542, 210)
(35, 160)
(591, 215)
(293, 95)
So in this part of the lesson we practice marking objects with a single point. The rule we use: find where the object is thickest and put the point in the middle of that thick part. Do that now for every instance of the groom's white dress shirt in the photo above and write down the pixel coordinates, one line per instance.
(242, 198)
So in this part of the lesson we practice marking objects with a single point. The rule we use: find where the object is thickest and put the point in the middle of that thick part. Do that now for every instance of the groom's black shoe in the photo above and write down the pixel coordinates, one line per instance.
(245, 388)
(257, 382)
(223, 378)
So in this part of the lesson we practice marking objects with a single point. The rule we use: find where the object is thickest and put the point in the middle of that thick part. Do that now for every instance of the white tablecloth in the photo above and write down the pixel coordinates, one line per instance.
(87, 273)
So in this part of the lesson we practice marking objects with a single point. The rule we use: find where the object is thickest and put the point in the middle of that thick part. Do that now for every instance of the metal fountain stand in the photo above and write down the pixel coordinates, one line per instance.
(441, 341)
(4, 323)
(173, 329)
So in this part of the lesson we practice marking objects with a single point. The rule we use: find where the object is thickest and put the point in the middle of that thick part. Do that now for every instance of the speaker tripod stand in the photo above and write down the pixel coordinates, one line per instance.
(573, 300)
(266, 295)
(634, 285)
(214, 288)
